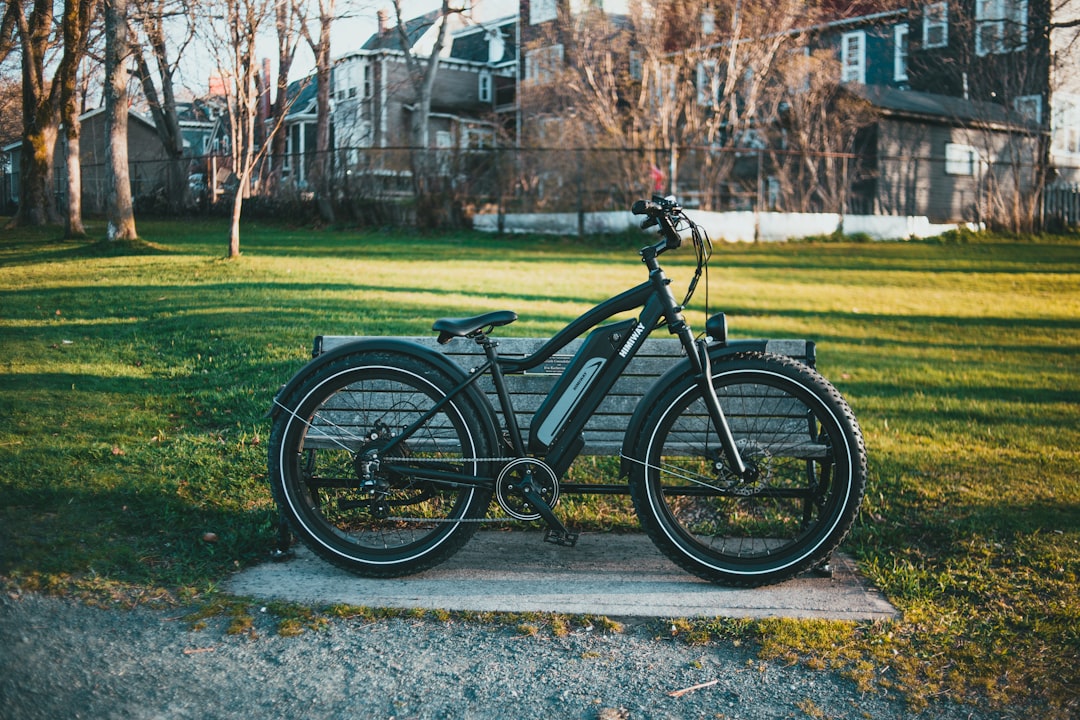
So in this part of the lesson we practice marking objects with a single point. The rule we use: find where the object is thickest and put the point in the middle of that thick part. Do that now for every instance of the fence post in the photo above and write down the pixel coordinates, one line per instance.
(673, 169)
(580, 193)
(501, 209)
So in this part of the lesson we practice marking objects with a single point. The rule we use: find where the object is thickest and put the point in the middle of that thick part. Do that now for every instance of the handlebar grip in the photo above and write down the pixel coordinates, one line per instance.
(642, 208)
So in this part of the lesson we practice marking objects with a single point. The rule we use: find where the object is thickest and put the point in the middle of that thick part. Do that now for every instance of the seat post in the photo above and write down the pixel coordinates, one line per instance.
(506, 405)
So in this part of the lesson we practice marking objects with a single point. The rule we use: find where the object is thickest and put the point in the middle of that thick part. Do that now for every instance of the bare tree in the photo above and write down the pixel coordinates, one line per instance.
(236, 28)
(29, 26)
(285, 12)
(423, 72)
(118, 210)
(684, 74)
(320, 47)
(10, 109)
(161, 22)
(78, 16)
(814, 125)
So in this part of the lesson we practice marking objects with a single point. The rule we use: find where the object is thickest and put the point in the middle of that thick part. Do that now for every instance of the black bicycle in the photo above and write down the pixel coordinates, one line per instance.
(745, 468)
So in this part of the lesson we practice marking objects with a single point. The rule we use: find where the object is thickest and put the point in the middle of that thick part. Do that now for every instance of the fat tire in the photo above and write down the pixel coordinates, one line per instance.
(788, 519)
(317, 485)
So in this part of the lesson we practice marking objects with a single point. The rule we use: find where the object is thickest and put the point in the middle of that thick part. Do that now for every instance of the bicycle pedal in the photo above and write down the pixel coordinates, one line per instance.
(555, 537)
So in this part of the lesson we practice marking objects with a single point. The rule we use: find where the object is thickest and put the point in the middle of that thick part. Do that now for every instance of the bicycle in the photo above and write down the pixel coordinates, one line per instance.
(744, 468)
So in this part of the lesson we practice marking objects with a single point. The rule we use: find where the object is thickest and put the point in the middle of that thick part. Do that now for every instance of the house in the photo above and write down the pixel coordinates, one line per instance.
(148, 163)
(374, 95)
(299, 127)
(943, 157)
(1018, 54)
(974, 100)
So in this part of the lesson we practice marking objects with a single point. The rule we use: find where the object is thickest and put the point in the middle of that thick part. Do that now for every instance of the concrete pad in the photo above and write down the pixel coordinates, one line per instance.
(605, 574)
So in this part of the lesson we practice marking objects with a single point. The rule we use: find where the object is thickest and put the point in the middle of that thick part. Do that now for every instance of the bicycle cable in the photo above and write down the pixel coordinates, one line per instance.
(703, 252)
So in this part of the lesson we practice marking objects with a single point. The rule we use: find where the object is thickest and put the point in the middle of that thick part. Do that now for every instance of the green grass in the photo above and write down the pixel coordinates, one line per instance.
(134, 381)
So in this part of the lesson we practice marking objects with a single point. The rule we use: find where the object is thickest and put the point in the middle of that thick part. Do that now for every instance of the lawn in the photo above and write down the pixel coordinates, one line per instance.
(134, 381)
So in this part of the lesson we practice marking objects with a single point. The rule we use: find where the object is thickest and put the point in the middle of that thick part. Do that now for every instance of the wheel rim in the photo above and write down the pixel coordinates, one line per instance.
(374, 514)
(776, 518)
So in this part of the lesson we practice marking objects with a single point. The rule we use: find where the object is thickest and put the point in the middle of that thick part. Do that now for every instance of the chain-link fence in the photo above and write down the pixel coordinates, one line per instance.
(446, 187)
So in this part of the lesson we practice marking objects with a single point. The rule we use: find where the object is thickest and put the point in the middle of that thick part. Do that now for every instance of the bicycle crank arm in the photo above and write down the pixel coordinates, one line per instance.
(557, 533)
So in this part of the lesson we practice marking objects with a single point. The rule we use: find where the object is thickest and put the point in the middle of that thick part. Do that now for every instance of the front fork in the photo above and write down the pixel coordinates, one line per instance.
(698, 352)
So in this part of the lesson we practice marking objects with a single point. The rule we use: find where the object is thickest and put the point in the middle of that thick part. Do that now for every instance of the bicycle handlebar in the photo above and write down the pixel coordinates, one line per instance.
(663, 212)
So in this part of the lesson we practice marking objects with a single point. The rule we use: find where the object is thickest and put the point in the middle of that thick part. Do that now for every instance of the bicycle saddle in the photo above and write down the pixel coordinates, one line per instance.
(450, 328)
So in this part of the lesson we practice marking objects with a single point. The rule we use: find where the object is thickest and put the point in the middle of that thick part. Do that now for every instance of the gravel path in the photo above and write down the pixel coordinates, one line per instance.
(59, 659)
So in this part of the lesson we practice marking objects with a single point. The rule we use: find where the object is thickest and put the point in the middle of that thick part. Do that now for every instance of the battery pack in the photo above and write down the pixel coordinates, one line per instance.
(563, 401)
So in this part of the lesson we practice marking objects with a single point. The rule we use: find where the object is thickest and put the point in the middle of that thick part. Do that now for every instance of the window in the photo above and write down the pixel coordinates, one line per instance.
(708, 83)
(1000, 26)
(935, 25)
(900, 52)
(478, 137)
(1065, 127)
(960, 159)
(636, 65)
(708, 22)
(541, 11)
(485, 87)
(1030, 106)
(853, 57)
(664, 79)
(542, 64)
(368, 86)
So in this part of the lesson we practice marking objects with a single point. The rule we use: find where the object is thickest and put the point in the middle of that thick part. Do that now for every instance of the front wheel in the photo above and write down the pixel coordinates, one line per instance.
(375, 513)
(807, 476)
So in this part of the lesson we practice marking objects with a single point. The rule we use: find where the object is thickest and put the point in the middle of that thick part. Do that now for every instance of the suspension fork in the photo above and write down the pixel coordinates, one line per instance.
(716, 413)
(697, 352)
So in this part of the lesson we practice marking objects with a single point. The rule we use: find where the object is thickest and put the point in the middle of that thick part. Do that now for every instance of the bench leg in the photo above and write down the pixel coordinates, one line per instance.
(283, 551)
(824, 568)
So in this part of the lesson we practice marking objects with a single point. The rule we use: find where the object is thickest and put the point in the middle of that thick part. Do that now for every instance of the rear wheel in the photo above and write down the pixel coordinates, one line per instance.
(808, 472)
(372, 513)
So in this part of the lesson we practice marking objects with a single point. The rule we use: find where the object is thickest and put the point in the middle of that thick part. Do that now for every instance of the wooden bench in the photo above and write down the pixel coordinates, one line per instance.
(604, 431)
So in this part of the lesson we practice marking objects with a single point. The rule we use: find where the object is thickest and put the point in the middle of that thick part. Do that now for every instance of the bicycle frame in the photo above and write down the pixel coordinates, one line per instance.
(657, 303)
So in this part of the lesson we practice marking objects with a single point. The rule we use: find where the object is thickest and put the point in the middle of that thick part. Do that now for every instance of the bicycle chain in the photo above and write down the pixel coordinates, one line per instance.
(444, 521)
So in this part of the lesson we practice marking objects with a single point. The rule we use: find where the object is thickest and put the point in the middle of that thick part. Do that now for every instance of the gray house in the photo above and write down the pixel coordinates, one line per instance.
(947, 158)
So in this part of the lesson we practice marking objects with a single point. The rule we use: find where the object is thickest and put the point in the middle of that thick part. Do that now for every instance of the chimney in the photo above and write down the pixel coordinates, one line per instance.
(264, 106)
(384, 22)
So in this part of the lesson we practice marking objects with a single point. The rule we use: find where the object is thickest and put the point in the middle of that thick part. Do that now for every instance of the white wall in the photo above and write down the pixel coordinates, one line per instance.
(729, 226)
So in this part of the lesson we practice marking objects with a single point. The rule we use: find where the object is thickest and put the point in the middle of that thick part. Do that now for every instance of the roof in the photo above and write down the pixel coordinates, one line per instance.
(839, 10)
(478, 43)
(390, 39)
(910, 103)
(302, 94)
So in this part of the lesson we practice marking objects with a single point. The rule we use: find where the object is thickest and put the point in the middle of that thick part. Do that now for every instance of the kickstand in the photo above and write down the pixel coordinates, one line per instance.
(284, 550)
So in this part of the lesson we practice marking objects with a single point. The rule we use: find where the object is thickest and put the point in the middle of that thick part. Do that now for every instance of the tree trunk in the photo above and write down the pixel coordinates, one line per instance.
(37, 205)
(320, 175)
(234, 225)
(322, 180)
(73, 225)
(423, 77)
(78, 15)
(118, 209)
(166, 118)
(280, 107)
